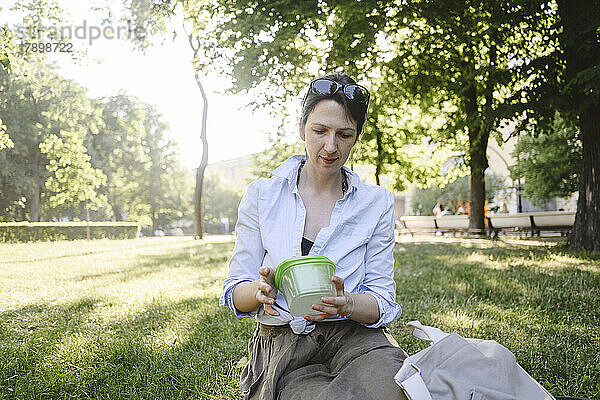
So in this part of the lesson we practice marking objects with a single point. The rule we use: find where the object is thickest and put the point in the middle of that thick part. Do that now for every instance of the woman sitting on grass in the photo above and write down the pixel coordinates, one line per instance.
(315, 205)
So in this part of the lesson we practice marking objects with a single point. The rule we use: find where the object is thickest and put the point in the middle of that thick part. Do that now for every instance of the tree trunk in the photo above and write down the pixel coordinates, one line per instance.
(477, 201)
(478, 163)
(198, 200)
(582, 52)
(34, 212)
(379, 155)
(34, 156)
(204, 161)
(154, 220)
(202, 167)
(87, 218)
(117, 212)
(586, 232)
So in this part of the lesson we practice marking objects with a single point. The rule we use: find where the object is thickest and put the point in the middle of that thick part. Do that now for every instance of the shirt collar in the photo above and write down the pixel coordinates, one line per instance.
(289, 170)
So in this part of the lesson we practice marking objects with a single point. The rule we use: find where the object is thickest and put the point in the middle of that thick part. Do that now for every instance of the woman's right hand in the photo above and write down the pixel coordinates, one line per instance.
(267, 292)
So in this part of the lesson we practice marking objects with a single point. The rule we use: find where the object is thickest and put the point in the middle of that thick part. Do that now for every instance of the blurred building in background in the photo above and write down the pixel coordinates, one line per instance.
(236, 171)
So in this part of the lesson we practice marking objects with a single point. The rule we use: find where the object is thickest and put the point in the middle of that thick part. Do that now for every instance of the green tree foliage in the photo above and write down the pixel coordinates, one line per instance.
(166, 187)
(62, 151)
(178, 201)
(475, 63)
(549, 162)
(35, 107)
(73, 180)
(580, 40)
(566, 80)
(117, 149)
(5, 142)
(72, 152)
(39, 23)
(5, 56)
(24, 94)
(6, 47)
(47, 117)
(458, 56)
(450, 59)
(145, 179)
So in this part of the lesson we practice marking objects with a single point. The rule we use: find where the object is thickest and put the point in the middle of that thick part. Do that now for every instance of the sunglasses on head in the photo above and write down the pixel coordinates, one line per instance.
(352, 91)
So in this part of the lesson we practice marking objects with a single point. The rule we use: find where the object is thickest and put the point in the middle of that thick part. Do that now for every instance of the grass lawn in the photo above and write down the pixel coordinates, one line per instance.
(140, 318)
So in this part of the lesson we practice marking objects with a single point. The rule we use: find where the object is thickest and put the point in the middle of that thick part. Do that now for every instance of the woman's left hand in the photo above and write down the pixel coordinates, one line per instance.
(342, 304)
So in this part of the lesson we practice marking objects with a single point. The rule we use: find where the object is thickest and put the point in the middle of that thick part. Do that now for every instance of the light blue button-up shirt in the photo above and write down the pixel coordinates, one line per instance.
(359, 240)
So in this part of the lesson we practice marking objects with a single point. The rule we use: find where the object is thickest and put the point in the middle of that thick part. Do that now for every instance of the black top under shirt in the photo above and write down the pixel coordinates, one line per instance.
(306, 244)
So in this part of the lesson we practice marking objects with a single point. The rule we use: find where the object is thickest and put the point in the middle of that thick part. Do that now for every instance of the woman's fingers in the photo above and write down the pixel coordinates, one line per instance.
(265, 272)
(339, 285)
(263, 298)
(325, 309)
(271, 311)
(264, 287)
(332, 306)
(265, 283)
(336, 301)
(317, 317)
(267, 275)
(267, 303)
(266, 293)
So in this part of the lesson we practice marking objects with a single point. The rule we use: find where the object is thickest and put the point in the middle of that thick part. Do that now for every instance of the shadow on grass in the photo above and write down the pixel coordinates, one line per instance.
(208, 257)
(167, 349)
(508, 278)
(64, 256)
(546, 314)
(44, 256)
(59, 352)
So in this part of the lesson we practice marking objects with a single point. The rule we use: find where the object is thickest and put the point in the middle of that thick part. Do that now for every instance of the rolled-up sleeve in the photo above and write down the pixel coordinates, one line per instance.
(248, 252)
(379, 267)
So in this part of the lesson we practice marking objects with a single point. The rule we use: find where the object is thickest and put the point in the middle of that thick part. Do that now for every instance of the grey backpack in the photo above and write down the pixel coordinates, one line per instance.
(455, 368)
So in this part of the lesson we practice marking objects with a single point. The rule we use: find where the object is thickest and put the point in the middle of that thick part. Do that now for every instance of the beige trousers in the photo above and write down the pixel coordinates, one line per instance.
(337, 360)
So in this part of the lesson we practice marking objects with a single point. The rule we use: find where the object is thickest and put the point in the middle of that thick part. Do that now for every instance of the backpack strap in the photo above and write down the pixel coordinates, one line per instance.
(425, 332)
(414, 387)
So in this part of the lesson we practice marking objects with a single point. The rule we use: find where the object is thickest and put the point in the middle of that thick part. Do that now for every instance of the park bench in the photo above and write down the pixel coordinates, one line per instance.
(452, 223)
(555, 221)
(509, 222)
(417, 224)
(429, 224)
(534, 223)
